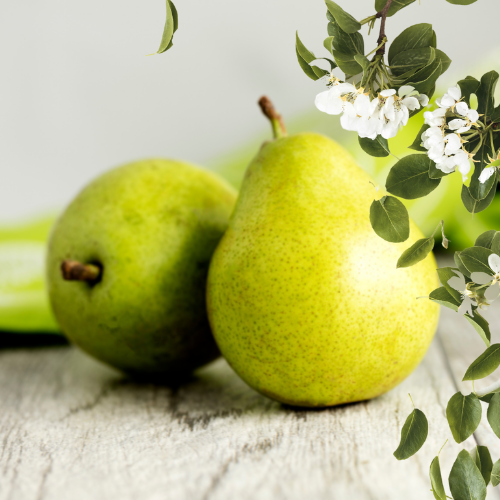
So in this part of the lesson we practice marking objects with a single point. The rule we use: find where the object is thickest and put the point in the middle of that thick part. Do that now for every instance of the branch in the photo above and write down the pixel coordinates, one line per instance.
(383, 15)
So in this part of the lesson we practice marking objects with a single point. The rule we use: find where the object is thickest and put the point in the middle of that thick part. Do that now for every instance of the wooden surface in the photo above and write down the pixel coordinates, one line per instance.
(71, 428)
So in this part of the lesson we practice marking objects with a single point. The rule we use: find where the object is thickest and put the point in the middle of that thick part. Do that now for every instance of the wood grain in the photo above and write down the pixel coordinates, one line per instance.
(71, 428)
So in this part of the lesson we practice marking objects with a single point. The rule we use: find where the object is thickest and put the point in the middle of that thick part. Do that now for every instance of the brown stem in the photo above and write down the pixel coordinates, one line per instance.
(267, 107)
(383, 16)
(76, 271)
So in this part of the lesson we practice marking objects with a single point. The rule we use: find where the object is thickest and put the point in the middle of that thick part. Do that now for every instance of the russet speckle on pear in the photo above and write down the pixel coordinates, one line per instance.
(304, 299)
(152, 227)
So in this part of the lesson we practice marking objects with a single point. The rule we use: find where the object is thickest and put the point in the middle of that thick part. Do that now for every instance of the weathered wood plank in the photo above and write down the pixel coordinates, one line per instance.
(462, 346)
(71, 428)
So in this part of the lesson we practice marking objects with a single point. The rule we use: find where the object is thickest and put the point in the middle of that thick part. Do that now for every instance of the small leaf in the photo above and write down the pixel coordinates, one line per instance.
(415, 37)
(389, 219)
(445, 60)
(495, 474)
(413, 435)
(479, 190)
(346, 43)
(463, 414)
(378, 147)
(461, 266)
(485, 94)
(494, 415)
(437, 480)
(468, 86)
(444, 275)
(344, 20)
(495, 116)
(417, 143)
(409, 177)
(442, 296)
(485, 364)
(395, 6)
(417, 252)
(171, 25)
(306, 54)
(328, 44)
(485, 240)
(466, 481)
(347, 63)
(475, 259)
(431, 73)
(481, 326)
(461, 2)
(411, 59)
(482, 458)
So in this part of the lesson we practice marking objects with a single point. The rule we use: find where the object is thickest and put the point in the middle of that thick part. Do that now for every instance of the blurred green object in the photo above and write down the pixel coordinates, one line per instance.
(444, 203)
(24, 305)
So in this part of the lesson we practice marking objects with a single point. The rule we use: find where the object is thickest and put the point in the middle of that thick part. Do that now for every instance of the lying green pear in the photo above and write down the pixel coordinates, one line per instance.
(304, 299)
(127, 266)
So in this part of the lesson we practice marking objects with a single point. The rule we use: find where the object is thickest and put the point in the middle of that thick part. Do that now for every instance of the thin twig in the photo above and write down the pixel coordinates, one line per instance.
(383, 16)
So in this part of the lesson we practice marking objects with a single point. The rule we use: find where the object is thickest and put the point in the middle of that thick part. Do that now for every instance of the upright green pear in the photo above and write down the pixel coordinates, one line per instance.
(304, 299)
(128, 261)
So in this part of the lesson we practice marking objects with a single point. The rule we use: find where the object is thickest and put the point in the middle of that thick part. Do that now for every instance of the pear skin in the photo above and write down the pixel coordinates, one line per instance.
(304, 299)
(151, 227)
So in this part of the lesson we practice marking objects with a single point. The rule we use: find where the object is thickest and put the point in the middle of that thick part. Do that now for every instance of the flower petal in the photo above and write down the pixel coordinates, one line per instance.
(494, 262)
(455, 93)
(387, 93)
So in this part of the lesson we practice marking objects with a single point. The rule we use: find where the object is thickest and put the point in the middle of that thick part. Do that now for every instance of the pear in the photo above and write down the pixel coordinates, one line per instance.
(127, 266)
(304, 299)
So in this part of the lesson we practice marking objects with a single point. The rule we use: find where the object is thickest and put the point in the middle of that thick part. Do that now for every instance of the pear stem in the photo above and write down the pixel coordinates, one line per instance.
(76, 271)
(267, 107)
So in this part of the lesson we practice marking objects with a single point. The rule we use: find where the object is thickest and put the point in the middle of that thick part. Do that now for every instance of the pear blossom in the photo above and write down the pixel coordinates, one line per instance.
(331, 101)
(469, 298)
(451, 98)
(493, 291)
(486, 174)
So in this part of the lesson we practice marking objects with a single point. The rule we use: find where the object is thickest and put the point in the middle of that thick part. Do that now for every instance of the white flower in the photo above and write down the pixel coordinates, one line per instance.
(468, 297)
(459, 125)
(486, 174)
(449, 100)
(435, 118)
(330, 101)
(423, 100)
(462, 108)
(473, 115)
(454, 144)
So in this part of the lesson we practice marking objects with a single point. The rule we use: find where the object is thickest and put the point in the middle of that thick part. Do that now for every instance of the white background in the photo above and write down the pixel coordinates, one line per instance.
(78, 95)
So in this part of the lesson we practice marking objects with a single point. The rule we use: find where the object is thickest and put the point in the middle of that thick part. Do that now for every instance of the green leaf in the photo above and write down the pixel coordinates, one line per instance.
(485, 94)
(480, 325)
(479, 190)
(475, 259)
(444, 275)
(442, 296)
(425, 80)
(463, 414)
(389, 219)
(468, 86)
(495, 474)
(417, 252)
(396, 5)
(328, 44)
(474, 206)
(344, 20)
(171, 25)
(461, 2)
(306, 68)
(437, 480)
(347, 43)
(445, 60)
(409, 177)
(485, 240)
(485, 364)
(378, 147)
(495, 116)
(306, 54)
(417, 143)
(466, 481)
(482, 458)
(494, 415)
(413, 435)
(411, 59)
(415, 37)
(347, 63)
(461, 266)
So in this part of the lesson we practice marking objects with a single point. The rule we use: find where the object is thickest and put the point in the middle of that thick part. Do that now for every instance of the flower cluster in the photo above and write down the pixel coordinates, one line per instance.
(383, 115)
(443, 140)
